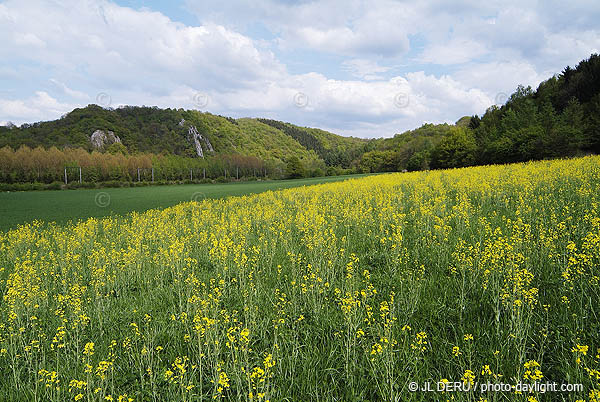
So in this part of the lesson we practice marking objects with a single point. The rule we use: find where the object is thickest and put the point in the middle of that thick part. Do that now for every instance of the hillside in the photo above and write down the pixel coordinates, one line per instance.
(167, 131)
(561, 118)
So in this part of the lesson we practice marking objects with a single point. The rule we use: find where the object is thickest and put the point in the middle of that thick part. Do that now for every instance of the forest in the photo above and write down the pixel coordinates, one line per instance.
(561, 118)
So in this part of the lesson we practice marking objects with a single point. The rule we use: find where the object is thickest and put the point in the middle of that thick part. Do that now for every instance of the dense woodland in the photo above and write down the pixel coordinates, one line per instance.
(561, 118)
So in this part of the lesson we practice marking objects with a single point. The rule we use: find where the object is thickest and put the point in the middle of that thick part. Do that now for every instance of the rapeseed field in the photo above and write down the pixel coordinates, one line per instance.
(344, 291)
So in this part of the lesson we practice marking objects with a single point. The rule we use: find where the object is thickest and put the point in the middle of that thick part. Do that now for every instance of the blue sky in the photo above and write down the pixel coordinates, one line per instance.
(363, 68)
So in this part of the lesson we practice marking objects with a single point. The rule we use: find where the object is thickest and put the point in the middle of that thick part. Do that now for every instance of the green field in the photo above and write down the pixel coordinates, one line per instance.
(62, 206)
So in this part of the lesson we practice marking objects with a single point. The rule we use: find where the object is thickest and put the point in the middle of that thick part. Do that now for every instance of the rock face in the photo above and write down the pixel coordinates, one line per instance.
(198, 140)
(193, 132)
(208, 145)
(101, 139)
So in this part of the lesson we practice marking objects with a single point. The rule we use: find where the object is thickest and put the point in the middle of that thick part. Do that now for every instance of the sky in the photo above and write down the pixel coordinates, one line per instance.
(361, 68)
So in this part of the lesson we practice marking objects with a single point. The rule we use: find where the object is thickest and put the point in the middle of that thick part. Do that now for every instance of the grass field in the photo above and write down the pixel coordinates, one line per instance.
(345, 291)
(61, 206)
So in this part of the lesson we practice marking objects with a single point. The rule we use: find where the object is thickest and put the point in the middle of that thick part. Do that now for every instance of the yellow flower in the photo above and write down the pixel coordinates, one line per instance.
(223, 380)
(532, 371)
(268, 362)
(245, 333)
(583, 349)
(88, 350)
(468, 377)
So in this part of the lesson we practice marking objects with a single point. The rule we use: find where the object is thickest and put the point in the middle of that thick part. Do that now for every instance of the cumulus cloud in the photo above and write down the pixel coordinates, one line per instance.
(119, 45)
(500, 77)
(408, 62)
(346, 27)
(355, 107)
(41, 105)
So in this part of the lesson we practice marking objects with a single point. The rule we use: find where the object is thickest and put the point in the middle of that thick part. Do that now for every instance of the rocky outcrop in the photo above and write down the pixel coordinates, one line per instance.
(101, 139)
(208, 145)
(196, 137)
(199, 139)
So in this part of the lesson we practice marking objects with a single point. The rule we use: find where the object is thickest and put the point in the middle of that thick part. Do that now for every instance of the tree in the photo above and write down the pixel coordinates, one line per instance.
(567, 137)
(294, 168)
(592, 126)
(419, 161)
(117, 148)
(457, 149)
(474, 122)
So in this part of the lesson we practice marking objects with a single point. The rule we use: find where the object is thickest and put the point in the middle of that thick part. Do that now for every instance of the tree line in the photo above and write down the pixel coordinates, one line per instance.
(41, 165)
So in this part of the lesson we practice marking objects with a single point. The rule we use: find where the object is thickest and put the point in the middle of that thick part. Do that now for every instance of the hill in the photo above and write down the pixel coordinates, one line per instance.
(560, 118)
(175, 131)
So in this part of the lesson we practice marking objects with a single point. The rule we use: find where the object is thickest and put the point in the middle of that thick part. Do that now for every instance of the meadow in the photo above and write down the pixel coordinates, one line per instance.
(62, 206)
(343, 291)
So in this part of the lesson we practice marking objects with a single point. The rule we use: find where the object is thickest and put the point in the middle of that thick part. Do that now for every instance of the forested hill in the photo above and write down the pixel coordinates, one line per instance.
(167, 131)
(561, 118)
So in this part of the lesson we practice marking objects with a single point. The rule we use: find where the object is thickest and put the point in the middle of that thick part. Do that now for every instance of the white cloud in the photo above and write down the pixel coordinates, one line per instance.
(69, 51)
(346, 27)
(121, 46)
(500, 77)
(369, 37)
(371, 108)
(41, 105)
(29, 40)
(16, 108)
